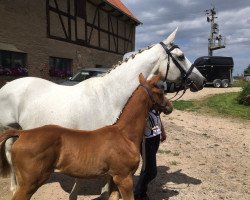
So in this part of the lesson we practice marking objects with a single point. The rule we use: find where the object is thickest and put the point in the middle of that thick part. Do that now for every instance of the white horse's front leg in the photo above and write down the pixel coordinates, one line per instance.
(13, 182)
(105, 191)
(110, 190)
(74, 192)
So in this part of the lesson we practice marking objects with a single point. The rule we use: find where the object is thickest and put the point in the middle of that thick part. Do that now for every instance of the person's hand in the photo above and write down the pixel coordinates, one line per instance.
(163, 136)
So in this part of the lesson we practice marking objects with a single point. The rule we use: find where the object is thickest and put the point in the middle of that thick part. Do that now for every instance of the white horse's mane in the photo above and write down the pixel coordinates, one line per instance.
(132, 56)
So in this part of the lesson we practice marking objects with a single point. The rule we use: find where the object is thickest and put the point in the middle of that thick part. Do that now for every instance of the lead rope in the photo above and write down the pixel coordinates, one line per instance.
(184, 91)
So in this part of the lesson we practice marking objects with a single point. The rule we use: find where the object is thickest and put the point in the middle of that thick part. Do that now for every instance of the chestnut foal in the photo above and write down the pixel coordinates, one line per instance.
(112, 150)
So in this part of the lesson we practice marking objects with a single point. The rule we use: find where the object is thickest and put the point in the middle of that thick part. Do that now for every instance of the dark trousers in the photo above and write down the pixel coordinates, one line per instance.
(149, 168)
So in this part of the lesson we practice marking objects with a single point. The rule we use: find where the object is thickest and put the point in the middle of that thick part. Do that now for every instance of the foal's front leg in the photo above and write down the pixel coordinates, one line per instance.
(125, 185)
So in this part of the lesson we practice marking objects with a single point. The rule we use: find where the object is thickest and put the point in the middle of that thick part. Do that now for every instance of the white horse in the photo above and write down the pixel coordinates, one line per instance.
(32, 102)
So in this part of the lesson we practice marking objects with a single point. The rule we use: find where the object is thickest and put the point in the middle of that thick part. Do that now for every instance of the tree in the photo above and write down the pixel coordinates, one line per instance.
(247, 70)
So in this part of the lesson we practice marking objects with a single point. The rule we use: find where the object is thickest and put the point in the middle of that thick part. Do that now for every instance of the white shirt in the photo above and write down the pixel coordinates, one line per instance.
(153, 126)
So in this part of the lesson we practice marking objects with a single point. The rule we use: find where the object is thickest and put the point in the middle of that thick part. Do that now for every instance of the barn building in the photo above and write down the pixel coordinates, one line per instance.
(53, 39)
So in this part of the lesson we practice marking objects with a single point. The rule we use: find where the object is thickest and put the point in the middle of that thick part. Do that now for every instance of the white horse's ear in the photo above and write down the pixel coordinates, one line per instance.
(171, 37)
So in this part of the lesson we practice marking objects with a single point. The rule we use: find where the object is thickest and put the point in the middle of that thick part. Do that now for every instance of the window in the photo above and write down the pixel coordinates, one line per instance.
(13, 63)
(60, 67)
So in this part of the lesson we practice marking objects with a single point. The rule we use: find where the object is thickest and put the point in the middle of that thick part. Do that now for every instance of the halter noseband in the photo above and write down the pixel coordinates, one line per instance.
(185, 81)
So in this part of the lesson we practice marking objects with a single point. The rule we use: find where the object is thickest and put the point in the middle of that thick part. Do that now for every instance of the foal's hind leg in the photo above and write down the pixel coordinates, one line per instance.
(29, 184)
(24, 193)
(125, 185)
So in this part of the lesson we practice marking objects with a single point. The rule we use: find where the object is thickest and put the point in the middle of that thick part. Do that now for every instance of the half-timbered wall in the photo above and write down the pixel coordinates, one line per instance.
(90, 23)
(41, 30)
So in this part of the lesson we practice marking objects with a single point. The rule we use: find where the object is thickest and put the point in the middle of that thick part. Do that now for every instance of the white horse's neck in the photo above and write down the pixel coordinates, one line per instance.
(115, 88)
(123, 80)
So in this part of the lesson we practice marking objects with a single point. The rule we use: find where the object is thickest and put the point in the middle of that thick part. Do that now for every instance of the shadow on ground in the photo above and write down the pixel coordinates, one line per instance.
(87, 186)
(157, 189)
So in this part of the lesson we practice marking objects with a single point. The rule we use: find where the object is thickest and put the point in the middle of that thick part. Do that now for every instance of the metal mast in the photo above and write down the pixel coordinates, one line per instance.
(215, 41)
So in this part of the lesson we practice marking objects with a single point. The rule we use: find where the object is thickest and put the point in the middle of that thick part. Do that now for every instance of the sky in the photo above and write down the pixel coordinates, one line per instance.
(161, 17)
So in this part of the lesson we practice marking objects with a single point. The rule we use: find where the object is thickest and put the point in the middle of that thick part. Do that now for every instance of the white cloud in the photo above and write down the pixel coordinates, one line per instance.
(186, 2)
(161, 17)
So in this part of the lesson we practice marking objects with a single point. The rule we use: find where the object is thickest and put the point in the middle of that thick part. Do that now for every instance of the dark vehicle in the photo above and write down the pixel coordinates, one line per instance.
(85, 74)
(216, 69)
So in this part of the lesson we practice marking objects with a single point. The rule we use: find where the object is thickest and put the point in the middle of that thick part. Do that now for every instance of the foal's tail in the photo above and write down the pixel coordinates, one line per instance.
(5, 168)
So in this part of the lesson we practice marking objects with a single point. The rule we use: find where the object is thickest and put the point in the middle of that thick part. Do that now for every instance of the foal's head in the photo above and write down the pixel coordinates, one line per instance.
(155, 90)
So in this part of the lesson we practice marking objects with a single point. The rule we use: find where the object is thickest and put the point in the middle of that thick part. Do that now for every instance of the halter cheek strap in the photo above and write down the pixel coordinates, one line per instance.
(168, 51)
(186, 81)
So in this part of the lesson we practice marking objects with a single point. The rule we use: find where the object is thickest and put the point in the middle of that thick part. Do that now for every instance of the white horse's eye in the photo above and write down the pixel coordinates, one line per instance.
(181, 57)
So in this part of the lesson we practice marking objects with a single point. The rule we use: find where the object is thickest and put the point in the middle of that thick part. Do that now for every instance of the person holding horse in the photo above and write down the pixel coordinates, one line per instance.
(154, 133)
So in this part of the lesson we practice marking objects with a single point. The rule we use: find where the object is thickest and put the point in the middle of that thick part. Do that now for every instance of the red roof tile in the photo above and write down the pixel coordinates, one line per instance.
(120, 6)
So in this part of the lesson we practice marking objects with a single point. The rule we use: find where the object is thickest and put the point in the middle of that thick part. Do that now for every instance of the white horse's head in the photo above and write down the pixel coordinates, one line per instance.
(176, 67)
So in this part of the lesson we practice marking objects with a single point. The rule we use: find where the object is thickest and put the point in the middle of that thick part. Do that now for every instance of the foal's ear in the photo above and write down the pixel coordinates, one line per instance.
(142, 80)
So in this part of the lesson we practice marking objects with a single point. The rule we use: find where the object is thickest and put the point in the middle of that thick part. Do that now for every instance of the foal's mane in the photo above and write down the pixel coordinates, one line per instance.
(126, 104)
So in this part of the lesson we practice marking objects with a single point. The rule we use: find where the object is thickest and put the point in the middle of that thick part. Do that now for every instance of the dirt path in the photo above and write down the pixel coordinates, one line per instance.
(204, 158)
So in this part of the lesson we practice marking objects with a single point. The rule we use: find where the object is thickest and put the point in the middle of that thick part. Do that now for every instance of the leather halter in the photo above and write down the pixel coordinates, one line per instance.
(185, 80)
(185, 74)
(156, 105)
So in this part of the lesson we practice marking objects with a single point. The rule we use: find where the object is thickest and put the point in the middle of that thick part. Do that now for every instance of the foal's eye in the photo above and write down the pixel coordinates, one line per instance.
(181, 57)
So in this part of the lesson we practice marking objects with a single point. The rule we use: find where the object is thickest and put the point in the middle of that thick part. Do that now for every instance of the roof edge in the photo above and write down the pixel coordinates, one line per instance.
(132, 17)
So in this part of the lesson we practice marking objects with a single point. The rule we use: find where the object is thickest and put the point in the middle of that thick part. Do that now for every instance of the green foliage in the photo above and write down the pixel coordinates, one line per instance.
(247, 70)
(226, 104)
(242, 96)
(220, 104)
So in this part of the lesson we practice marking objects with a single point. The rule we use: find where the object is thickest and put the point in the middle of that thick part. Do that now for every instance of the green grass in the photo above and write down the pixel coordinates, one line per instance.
(219, 104)
(240, 83)
(185, 105)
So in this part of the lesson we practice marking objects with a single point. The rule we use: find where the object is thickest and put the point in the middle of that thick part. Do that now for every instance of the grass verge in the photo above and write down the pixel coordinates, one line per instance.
(222, 104)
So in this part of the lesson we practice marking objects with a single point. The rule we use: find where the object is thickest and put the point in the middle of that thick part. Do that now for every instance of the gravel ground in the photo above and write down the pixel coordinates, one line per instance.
(204, 158)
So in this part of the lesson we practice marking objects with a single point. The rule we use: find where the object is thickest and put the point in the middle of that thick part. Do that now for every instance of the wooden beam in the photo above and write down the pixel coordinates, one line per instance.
(75, 16)
(90, 35)
(48, 18)
(112, 29)
(87, 45)
(117, 34)
(86, 19)
(69, 20)
(99, 34)
(61, 20)
(108, 32)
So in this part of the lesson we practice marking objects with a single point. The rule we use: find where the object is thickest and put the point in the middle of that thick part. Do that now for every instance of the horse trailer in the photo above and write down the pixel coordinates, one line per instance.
(216, 69)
